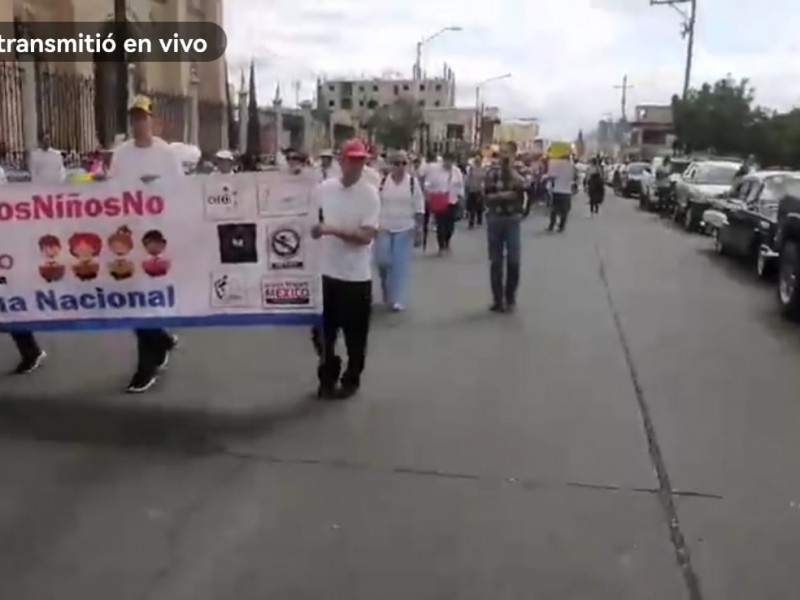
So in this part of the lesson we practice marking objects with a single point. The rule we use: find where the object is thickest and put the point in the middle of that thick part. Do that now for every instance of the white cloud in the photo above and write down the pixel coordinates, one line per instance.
(566, 57)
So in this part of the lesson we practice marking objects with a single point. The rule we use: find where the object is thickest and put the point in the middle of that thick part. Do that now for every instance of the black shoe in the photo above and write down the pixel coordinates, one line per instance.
(497, 307)
(325, 392)
(29, 364)
(171, 345)
(346, 390)
(511, 307)
(142, 381)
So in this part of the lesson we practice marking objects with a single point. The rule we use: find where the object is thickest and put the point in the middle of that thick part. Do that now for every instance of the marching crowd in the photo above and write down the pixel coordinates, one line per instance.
(369, 210)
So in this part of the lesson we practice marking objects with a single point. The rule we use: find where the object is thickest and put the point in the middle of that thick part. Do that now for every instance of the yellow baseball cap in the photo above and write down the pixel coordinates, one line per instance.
(142, 103)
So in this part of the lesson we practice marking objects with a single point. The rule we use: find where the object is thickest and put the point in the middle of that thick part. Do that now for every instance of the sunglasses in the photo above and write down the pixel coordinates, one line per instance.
(400, 163)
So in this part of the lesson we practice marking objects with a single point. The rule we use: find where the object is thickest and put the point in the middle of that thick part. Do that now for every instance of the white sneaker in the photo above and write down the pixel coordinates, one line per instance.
(397, 307)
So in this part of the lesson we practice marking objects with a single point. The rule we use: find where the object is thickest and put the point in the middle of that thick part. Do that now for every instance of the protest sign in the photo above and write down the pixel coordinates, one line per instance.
(180, 252)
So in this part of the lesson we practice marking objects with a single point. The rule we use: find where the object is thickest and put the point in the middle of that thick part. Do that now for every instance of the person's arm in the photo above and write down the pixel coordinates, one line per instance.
(62, 172)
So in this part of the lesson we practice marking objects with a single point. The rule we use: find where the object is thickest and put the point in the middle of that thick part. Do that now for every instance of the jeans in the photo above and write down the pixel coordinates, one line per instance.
(393, 253)
(151, 345)
(562, 203)
(26, 344)
(445, 226)
(505, 250)
(346, 306)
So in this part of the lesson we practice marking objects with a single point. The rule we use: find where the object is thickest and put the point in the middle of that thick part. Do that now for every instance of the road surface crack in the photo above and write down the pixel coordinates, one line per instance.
(665, 492)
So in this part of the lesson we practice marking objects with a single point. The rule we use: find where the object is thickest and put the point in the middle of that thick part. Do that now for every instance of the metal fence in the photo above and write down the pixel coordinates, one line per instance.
(68, 109)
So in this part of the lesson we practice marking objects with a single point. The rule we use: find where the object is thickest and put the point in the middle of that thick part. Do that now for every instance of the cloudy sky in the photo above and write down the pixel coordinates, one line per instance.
(565, 56)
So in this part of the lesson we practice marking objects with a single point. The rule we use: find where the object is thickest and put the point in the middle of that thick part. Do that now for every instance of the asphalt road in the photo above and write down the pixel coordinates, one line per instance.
(631, 433)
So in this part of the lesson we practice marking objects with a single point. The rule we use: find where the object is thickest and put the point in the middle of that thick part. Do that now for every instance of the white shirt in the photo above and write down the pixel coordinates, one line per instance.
(439, 179)
(349, 207)
(333, 172)
(47, 166)
(563, 173)
(399, 205)
(130, 161)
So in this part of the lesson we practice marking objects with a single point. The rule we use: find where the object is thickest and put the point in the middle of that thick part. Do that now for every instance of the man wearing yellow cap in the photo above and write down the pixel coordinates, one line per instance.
(146, 157)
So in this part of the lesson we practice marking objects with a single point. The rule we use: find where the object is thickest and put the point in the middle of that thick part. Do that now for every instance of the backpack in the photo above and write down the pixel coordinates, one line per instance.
(411, 185)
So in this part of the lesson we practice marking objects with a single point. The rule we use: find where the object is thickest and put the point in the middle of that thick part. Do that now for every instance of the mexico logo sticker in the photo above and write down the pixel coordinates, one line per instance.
(289, 293)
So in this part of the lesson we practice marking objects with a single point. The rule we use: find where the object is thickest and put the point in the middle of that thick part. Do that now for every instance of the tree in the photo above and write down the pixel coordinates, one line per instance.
(394, 126)
(716, 117)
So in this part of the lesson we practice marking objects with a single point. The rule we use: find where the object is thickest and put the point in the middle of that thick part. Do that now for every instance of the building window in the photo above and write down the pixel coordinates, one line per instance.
(437, 103)
(405, 87)
(372, 104)
(347, 103)
(438, 87)
(421, 87)
(331, 88)
(396, 90)
(361, 88)
(422, 102)
(361, 103)
(331, 102)
(374, 88)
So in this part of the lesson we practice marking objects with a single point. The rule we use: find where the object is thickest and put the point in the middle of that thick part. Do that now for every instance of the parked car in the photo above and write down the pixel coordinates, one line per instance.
(749, 219)
(700, 183)
(650, 197)
(632, 177)
(787, 244)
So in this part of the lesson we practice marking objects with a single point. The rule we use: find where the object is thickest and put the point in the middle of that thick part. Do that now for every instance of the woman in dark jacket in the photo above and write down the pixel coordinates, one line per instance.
(595, 186)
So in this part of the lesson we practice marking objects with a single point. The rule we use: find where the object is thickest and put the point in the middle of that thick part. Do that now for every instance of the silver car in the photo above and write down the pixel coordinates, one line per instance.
(701, 183)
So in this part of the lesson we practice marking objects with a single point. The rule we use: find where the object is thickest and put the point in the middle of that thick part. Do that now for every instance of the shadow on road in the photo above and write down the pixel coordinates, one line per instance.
(135, 425)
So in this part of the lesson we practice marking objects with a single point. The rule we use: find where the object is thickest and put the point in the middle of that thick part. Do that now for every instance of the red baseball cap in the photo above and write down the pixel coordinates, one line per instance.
(354, 148)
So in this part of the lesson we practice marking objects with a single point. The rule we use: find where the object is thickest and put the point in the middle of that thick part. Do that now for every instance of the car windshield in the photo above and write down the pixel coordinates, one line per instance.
(716, 174)
(677, 167)
(636, 168)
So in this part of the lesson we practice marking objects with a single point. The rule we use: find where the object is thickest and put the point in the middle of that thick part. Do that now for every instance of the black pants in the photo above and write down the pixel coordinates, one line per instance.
(475, 208)
(151, 345)
(26, 344)
(595, 200)
(426, 224)
(559, 210)
(346, 305)
(445, 226)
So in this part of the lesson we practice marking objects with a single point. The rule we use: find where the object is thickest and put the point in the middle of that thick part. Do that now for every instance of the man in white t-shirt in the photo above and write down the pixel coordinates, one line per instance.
(327, 168)
(444, 179)
(146, 157)
(349, 211)
(564, 178)
(46, 163)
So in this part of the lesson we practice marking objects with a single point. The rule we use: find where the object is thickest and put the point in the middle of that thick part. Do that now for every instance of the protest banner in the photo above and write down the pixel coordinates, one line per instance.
(193, 251)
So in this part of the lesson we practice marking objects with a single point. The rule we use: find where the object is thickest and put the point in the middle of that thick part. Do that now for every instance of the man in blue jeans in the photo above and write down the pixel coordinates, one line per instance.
(505, 205)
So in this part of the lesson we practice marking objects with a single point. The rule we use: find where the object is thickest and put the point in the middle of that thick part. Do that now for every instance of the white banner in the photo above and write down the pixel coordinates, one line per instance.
(193, 251)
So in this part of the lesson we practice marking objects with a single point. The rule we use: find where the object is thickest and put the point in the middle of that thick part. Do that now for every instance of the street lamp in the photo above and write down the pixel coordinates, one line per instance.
(423, 41)
(687, 32)
(478, 111)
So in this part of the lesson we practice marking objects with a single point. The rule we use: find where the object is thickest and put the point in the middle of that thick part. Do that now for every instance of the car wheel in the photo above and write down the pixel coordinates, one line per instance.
(688, 220)
(788, 278)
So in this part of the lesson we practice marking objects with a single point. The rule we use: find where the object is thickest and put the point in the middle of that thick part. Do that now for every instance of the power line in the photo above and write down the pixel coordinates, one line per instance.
(687, 32)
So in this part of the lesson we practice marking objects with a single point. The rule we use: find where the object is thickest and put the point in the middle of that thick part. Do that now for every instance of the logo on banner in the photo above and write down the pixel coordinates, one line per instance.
(221, 200)
(290, 197)
(286, 247)
(228, 290)
(286, 293)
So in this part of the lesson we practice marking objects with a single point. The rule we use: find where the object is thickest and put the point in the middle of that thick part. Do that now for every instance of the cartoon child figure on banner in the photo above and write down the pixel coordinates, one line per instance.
(155, 244)
(51, 270)
(86, 248)
(121, 243)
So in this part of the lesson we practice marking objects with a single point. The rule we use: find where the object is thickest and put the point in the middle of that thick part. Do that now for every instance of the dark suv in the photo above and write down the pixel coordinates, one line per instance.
(787, 244)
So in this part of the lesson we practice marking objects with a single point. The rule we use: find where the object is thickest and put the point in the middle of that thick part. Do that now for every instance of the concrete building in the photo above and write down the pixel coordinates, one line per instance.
(524, 133)
(187, 95)
(651, 132)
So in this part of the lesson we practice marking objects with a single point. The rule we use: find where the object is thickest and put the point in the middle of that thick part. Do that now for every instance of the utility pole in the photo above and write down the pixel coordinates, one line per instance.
(624, 101)
(687, 33)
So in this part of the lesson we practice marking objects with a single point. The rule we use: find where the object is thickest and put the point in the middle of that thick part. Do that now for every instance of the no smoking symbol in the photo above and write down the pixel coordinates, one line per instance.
(286, 242)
